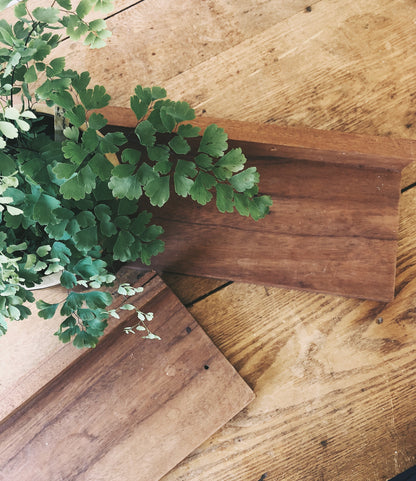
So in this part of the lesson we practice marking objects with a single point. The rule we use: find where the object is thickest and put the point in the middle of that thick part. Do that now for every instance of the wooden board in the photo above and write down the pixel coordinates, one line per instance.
(335, 213)
(129, 409)
(334, 380)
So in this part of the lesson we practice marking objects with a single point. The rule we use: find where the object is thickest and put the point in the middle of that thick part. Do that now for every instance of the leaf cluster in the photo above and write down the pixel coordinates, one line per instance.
(70, 205)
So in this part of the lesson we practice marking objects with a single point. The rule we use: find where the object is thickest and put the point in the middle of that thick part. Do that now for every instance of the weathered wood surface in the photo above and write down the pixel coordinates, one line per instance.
(335, 213)
(129, 409)
(338, 65)
(334, 381)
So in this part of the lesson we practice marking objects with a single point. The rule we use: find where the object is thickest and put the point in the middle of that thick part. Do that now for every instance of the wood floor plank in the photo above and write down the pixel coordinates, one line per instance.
(128, 409)
(156, 49)
(334, 381)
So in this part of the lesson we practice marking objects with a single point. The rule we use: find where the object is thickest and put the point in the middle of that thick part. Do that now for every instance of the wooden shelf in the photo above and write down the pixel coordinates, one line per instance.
(333, 225)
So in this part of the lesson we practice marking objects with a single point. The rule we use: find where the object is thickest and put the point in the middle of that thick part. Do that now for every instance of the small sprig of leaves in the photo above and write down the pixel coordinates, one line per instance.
(127, 290)
(87, 315)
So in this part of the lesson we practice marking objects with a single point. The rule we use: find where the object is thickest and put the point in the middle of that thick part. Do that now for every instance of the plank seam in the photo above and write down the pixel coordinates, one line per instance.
(210, 293)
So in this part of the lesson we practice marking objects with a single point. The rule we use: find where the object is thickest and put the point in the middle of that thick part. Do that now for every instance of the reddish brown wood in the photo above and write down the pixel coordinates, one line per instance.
(129, 409)
(332, 228)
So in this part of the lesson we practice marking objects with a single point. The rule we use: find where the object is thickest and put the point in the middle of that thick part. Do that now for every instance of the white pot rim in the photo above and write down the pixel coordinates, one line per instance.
(47, 281)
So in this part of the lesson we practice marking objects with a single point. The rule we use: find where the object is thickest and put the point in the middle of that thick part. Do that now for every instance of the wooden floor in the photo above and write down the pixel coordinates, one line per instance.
(334, 377)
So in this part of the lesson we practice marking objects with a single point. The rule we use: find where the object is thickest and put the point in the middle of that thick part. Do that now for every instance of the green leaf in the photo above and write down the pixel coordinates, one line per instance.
(72, 303)
(63, 99)
(94, 99)
(245, 180)
(104, 6)
(42, 49)
(97, 121)
(19, 10)
(46, 15)
(98, 300)
(68, 280)
(6, 33)
(43, 209)
(179, 145)
(97, 25)
(214, 141)
(46, 310)
(86, 238)
(259, 206)
(151, 249)
(157, 190)
(200, 189)
(158, 93)
(76, 153)
(145, 133)
(23, 125)
(184, 173)
(233, 160)
(110, 142)
(188, 130)
(7, 164)
(225, 196)
(31, 74)
(144, 94)
(71, 133)
(42, 251)
(84, 340)
(84, 7)
(64, 171)
(55, 67)
(97, 39)
(80, 82)
(241, 203)
(163, 167)
(127, 207)
(162, 121)
(139, 107)
(66, 4)
(158, 153)
(122, 221)
(180, 111)
(101, 166)
(124, 183)
(139, 224)
(76, 115)
(131, 156)
(127, 307)
(79, 185)
(103, 213)
(151, 233)
(90, 140)
(121, 250)
(62, 252)
(146, 174)
(15, 248)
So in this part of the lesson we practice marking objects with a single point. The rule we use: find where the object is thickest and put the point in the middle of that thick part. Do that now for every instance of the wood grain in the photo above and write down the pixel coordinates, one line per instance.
(128, 409)
(159, 53)
(335, 213)
(338, 65)
(333, 377)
